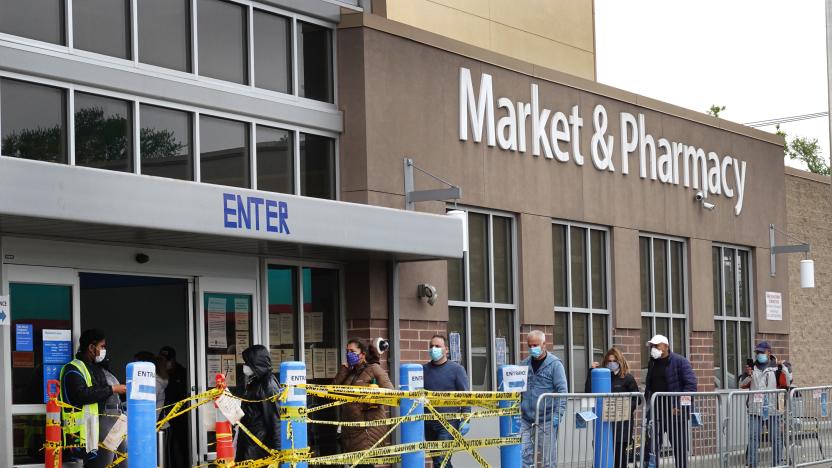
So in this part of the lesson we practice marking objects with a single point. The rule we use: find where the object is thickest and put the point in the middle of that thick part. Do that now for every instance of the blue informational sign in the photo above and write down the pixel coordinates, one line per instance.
(824, 404)
(23, 340)
(57, 346)
(50, 372)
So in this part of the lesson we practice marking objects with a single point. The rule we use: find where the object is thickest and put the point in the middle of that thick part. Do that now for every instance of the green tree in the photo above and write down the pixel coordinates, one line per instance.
(806, 150)
(715, 110)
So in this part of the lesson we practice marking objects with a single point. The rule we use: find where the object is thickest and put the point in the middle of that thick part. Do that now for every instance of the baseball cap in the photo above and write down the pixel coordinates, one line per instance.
(763, 346)
(657, 339)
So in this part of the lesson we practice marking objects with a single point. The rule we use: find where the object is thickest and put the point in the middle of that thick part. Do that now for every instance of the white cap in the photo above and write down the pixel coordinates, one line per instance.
(658, 339)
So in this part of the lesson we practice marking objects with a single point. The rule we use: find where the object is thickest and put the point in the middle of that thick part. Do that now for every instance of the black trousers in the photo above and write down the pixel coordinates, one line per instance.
(676, 428)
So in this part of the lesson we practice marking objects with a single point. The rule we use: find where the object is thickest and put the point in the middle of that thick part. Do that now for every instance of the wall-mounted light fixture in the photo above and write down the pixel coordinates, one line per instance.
(427, 291)
(807, 267)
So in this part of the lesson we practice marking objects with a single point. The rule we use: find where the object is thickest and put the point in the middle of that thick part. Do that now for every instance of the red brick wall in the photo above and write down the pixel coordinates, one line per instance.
(368, 330)
(628, 341)
(415, 336)
(779, 345)
(701, 356)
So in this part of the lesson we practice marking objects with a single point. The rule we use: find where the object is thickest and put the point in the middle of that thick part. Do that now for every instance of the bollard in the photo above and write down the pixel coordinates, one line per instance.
(293, 410)
(141, 408)
(52, 452)
(510, 455)
(222, 430)
(604, 431)
(413, 378)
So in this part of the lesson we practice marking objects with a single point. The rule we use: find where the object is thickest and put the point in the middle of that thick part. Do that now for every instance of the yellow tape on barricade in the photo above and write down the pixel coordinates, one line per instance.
(292, 412)
(322, 390)
(394, 402)
(432, 446)
(457, 437)
(511, 411)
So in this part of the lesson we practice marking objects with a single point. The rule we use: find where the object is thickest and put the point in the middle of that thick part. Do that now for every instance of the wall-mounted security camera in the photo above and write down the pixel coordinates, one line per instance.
(708, 205)
(700, 195)
(142, 258)
(428, 291)
(381, 345)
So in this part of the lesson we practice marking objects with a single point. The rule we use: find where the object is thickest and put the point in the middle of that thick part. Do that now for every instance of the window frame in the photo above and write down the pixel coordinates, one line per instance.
(722, 319)
(590, 312)
(671, 315)
(492, 306)
(193, 76)
(136, 101)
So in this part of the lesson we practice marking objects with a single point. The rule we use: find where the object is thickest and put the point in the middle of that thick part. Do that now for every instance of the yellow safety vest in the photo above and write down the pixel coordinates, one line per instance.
(76, 420)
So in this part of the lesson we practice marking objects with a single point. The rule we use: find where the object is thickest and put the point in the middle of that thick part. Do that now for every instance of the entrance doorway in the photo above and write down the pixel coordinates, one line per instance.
(143, 317)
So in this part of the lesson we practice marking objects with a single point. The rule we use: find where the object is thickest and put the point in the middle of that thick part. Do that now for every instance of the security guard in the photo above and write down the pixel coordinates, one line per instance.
(84, 386)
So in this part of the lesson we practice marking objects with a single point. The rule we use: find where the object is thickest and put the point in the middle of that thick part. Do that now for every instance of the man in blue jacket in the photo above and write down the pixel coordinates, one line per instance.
(545, 375)
(669, 372)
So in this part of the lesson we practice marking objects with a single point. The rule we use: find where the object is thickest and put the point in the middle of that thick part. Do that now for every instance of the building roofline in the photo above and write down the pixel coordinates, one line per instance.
(394, 28)
(794, 172)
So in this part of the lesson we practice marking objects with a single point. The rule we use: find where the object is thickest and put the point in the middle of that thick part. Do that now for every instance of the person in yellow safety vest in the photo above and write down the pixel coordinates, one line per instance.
(84, 386)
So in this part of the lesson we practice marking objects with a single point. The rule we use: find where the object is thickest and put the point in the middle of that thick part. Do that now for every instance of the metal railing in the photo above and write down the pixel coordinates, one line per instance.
(766, 428)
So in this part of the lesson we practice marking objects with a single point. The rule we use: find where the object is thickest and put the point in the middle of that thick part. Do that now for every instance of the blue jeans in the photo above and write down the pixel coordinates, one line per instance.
(755, 430)
(547, 443)
(435, 431)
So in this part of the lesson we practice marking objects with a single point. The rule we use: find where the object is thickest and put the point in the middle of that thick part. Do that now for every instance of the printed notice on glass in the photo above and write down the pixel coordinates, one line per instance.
(214, 366)
(241, 321)
(287, 326)
(319, 363)
(774, 306)
(229, 368)
(215, 318)
(456, 355)
(240, 344)
(331, 362)
(307, 358)
(313, 327)
(287, 355)
(277, 357)
(500, 344)
(275, 338)
(241, 305)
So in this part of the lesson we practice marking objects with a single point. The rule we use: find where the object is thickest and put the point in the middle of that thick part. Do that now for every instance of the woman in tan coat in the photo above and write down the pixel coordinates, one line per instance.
(362, 369)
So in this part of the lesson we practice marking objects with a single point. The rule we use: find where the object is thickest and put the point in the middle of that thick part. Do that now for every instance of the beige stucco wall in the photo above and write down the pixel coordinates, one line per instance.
(809, 211)
(558, 34)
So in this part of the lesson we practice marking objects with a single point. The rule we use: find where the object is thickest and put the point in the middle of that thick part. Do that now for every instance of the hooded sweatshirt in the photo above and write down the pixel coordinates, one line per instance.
(261, 417)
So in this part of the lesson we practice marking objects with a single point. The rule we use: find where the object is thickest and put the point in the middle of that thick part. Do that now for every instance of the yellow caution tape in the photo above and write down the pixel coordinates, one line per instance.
(422, 417)
(292, 412)
(436, 445)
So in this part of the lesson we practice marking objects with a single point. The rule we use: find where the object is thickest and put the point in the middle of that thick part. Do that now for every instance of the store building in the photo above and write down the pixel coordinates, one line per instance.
(209, 191)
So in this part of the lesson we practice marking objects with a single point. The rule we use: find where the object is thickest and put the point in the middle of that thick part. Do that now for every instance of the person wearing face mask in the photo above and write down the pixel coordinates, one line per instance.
(669, 372)
(546, 374)
(763, 408)
(622, 382)
(443, 375)
(362, 369)
(261, 414)
(84, 386)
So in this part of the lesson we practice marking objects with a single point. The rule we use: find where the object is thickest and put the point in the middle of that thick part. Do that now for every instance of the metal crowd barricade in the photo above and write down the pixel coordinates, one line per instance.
(756, 429)
(593, 430)
(809, 425)
(684, 430)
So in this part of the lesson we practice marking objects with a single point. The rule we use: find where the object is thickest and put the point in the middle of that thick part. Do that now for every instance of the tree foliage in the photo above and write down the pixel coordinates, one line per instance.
(715, 110)
(806, 150)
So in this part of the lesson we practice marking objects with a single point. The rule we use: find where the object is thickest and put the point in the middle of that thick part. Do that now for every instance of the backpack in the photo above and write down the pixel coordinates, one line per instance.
(784, 375)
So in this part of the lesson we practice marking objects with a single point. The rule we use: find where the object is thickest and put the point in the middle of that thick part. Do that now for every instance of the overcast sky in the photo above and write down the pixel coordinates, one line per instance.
(761, 59)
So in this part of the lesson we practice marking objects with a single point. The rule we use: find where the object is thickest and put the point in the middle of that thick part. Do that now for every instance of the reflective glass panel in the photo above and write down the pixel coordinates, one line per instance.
(580, 351)
(275, 160)
(42, 20)
(599, 337)
(599, 268)
(222, 33)
(478, 257)
(480, 349)
(560, 341)
(504, 328)
(165, 33)
(502, 260)
(660, 274)
(283, 310)
(743, 277)
(716, 255)
(165, 143)
(646, 334)
(644, 273)
(102, 26)
(719, 374)
(679, 341)
(456, 324)
(732, 365)
(677, 285)
(224, 151)
(103, 132)
(728, 282)
(317, 166)
(33, 119)
(456, 279)
(272, 52)
(577, 238)
(314, 62)
(559, 264)
(28, 437)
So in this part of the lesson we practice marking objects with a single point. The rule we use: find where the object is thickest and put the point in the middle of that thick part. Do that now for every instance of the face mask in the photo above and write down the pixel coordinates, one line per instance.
(353, 358)
(247, 370)
(762, 358)
(436, 353)
(655, 353)
(614, 367)
(101, 356)
(535, 351)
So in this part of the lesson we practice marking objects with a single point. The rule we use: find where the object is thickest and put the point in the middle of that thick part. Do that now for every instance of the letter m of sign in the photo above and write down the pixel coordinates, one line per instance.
(481, 110)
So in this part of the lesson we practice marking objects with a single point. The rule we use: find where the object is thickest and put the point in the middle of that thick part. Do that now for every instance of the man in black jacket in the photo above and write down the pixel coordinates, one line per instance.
(84, 385)
(261, 417)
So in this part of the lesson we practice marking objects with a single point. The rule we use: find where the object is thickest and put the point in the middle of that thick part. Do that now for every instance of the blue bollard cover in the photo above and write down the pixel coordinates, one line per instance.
(412, 378)
(510, 379)
(604, 431)
(141, 410)
(293, 409)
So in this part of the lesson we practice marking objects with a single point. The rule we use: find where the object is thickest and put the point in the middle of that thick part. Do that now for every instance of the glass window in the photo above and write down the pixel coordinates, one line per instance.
(664, 307)
(275, 160)
(28, 437)
(42, 20)
(165, 33)
(732, 314)
(315, 62)
(102, 26)
(456, 324)
(224, 152)
(560, 340)
(478, 256)
(559, 263)
(33, 121)
(488, 316)
(502, 260)
(581, 310)
(272, 52)
(103, 132)
(165, 143)
(317, 166)
(222, 34)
